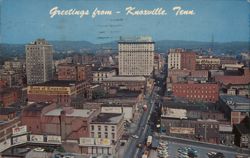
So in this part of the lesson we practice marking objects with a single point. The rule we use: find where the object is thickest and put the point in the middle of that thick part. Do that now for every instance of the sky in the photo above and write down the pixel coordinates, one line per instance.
(23, 21)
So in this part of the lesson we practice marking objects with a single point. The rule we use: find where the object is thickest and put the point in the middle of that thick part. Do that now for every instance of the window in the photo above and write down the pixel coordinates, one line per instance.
(113, 135)
(92, 134)
(106, 135)
(106, 128)
(99, 128)
(99, 135)
(113, 128)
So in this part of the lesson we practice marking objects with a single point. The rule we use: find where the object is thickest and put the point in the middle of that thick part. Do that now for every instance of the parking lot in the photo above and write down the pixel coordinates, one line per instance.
(201, 151)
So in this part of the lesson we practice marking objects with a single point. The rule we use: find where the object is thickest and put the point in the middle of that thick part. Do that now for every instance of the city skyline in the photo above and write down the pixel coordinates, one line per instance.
(225, 21)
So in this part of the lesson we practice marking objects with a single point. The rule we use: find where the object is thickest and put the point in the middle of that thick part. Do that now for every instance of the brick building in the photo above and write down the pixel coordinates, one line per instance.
(206, 92)
(74, 72)
(9, 96)
(188, 60)
(6, 128)
(207, 63)
(234, 80)
(7, 114)
(59, 91)
(46, 118)
(175, 122)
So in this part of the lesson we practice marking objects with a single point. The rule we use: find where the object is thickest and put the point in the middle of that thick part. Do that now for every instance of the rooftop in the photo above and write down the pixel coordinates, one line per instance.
(72, 113)
(136, 39)
(36, 107)
(105, 69)
(57, 83)
(243, 129)
(125, 78)
(107, 118)
(174, 113)
(236, 103)
(6, 111)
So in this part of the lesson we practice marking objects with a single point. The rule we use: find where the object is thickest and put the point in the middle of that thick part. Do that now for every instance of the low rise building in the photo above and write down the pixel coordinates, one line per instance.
(242, 133)
(207, 63)
(66, 122)
(125, 82)
(74, 72)
(9, 96)
(175, 122)
(60, 91)
(99, 74)
(107, 125)
(7, 114)
(205, 92)
(235, 108)
(6, 129)
(127, 109)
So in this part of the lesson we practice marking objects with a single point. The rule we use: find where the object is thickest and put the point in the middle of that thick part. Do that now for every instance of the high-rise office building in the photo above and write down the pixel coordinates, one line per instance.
(136, 56)
(39, 58)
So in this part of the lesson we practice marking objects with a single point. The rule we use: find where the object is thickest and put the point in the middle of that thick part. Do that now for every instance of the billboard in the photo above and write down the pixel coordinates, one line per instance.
(181, 130)
(94, 141)
(5, 145)
(19, 139)
(55, 139)
(36, 138)
(102, 141)
(87, 141)
(19, 130)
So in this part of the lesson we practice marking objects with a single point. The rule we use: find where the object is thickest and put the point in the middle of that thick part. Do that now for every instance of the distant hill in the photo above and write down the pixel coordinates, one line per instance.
(11, 50)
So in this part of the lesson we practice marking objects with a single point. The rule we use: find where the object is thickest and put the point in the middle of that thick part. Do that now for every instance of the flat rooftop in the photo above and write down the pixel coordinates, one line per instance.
(57, 83)
(174, 113)
(36, 107)
(236, 103)
(107, 118)
(6, 111)
(104, 69)
(125, 78)
(73, 113)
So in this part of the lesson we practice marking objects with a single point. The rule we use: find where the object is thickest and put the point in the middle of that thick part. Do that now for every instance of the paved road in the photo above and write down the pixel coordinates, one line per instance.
(132, 150)
(201, 150)
(206, 145)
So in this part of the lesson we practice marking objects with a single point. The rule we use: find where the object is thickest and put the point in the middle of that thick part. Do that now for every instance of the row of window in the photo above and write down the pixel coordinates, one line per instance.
(99, 135)
(100, 127)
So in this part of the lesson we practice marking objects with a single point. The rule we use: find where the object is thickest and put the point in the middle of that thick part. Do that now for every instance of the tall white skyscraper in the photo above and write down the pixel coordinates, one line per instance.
(136, 56)
(39, 58)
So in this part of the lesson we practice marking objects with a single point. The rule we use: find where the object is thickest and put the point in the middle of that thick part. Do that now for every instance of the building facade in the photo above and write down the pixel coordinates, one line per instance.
(39, 61)
(136, 56)
(207, 92)
(125, 82)
(61, 92)
(75, 72)
(188, 60)
(174, 58)
(107, 125)
(46, 118)
(207, 63)
(102, 73)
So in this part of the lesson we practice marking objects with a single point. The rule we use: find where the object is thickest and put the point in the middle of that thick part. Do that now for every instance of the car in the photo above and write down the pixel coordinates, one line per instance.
(139, 145)
(219, 155)
(135, 136)
(39, 149)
